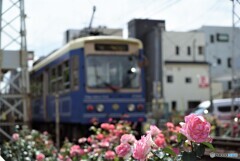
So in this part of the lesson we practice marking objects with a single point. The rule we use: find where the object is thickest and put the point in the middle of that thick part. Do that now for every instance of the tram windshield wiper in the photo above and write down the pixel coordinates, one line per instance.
(110, 86)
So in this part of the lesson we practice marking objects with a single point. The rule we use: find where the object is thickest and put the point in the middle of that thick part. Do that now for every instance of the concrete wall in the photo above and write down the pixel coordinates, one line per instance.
(183, 40)
(183, 92)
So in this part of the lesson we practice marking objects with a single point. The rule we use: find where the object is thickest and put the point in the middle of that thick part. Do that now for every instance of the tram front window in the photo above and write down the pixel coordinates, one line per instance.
(112, 71)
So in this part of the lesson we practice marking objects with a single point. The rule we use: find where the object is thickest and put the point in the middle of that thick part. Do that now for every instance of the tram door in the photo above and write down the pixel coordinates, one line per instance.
(45, 93)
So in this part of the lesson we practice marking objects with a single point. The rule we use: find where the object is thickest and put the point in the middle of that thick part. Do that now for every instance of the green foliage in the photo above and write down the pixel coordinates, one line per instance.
(209, 145)
(28, 145)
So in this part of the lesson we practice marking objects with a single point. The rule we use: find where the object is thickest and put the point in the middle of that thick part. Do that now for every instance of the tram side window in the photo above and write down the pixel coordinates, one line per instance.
(38, 86)
(53, 80)
(66, 76)
(59, 78)
(74, 72)
(33, 87)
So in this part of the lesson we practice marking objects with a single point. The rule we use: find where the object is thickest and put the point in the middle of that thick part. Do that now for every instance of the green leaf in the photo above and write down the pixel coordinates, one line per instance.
(151, 159)
(158, 153)
(180, 137)
(169, 151)
(209, 145)
(189, 156)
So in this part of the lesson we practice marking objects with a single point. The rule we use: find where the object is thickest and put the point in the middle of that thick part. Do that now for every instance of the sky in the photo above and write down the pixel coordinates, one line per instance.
(47, 20)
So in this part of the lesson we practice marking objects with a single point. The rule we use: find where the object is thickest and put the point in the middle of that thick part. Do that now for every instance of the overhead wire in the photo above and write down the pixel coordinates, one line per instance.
(170, 4)
(212, 7)
(143, 8)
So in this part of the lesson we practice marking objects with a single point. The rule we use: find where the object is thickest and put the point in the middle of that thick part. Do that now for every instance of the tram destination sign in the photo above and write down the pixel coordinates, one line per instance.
(111, 47)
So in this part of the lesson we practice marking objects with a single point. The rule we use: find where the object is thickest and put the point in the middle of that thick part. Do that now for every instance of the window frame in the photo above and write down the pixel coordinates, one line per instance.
(177, 50)
(169, 78)
(74, 78)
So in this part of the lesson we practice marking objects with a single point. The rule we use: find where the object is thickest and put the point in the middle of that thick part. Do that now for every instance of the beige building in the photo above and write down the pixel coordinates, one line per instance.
(185, 71)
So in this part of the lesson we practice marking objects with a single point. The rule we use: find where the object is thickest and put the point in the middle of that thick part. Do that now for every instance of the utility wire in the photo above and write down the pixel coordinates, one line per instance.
(170, 4)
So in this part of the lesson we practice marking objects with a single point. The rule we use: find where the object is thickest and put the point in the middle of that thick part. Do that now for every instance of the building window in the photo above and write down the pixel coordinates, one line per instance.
(169, 78)
(229, 85)
(212, 38)
(229, 62)
(188, 80)
(188, 50)
(174, 105)
(222, 37)
(200, 50)
(219, 61)
(177, 50)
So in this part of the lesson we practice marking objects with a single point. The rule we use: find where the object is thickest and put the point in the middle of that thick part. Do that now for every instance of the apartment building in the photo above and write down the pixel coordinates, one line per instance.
(185, 71)
(220, 49)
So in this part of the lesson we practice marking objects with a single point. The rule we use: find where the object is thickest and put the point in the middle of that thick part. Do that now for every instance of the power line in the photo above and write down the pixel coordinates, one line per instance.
(211, 8)
(170, 4)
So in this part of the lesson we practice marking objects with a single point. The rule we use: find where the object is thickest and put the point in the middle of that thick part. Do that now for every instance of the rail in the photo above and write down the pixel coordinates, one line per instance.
(226, 149)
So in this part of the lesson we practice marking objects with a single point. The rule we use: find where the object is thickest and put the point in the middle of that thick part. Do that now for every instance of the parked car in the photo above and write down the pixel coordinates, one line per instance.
(221, 109)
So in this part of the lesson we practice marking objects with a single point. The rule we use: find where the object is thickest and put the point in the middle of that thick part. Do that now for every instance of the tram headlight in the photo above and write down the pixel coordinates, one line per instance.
(100, 107)
(205, 111)
(131, 107)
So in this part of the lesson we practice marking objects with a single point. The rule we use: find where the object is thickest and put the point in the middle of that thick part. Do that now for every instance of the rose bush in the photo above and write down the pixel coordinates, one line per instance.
(116, 141)
(28, 145)
(186, 143)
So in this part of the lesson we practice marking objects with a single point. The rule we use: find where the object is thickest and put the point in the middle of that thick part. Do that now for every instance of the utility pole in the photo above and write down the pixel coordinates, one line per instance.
(158, 101)
(57, 121)
(210, 85)
(14, 82)
(235, 22)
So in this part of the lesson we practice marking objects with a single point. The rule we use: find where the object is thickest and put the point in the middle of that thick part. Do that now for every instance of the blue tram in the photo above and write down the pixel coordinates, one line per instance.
(95, 78)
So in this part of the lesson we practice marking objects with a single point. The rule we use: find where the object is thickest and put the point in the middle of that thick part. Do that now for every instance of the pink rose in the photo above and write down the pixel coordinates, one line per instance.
(173, 138)
(160, 141)
(128, 138)
(100, 136)
(104, 144)
(123, 150)
(177, 129)
(109, 155)
(89, 139)
(15, 136)
(60, 157)
(142, 148)
(40, 157)
(111, 127)
(82, 140)
(176, 150)
(76, 150)
(105, 126)
(170, 126)
(196, 128)
(154, 130)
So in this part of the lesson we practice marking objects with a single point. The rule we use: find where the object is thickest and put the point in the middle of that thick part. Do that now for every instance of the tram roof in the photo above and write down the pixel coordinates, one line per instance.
(78, 43)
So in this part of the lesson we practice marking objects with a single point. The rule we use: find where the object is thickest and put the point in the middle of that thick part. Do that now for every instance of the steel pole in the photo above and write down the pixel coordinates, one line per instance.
(57, 121)
(232, 65)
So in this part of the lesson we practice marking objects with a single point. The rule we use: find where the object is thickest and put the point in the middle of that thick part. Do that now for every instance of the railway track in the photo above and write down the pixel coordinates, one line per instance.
(226, 149)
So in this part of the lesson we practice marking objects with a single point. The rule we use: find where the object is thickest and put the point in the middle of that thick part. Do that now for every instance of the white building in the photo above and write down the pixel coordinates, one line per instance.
(185, 78)
(219, 53)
